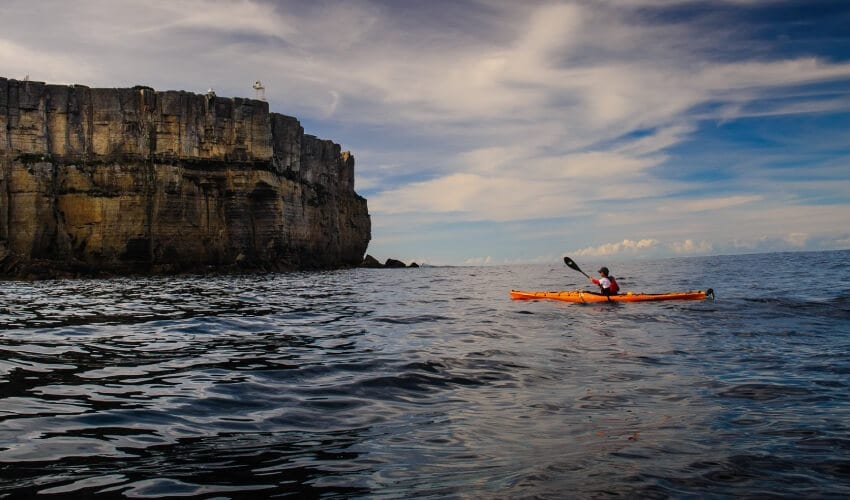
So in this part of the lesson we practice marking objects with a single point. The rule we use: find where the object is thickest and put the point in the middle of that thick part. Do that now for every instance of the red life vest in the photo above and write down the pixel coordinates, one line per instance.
(614, 286)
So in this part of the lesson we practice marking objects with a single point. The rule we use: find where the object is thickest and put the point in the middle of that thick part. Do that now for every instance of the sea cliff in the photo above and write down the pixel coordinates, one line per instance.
(135, 180)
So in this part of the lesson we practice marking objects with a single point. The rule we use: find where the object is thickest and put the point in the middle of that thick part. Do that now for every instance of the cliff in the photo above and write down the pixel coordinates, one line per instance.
(135, 180)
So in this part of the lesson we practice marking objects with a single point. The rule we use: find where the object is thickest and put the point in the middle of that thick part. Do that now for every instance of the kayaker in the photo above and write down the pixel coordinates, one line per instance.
(607, 284)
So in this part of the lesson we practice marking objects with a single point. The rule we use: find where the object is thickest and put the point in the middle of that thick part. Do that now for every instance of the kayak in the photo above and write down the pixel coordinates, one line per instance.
(584, 296)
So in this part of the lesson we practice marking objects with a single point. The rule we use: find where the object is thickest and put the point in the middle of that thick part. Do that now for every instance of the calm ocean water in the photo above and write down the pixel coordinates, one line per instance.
(403, 383)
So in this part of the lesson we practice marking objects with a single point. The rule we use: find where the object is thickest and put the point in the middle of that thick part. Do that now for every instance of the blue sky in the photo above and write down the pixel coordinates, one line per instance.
(490, 132)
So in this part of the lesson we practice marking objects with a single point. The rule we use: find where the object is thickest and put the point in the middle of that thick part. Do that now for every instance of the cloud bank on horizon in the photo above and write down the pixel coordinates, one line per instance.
(491, 131)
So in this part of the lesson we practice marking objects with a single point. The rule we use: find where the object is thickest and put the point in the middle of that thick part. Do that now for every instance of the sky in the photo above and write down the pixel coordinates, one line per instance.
(491, 132)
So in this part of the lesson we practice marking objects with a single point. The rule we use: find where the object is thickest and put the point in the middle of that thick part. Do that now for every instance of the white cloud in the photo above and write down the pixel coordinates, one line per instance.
(146, 18)
(618, 248)
(692, 247)
(596, 165)
(505, 187)
(493, 159)
(473, 197)
(366, 182)
(796, 239)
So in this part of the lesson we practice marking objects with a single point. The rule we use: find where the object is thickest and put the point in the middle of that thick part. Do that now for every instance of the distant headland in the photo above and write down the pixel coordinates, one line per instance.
(132, 180)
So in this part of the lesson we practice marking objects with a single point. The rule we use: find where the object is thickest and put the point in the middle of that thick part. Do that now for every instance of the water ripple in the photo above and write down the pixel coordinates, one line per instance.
(427, 382)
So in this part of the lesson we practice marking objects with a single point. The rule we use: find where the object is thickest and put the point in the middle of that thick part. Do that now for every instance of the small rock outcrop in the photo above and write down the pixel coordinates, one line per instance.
(373, 263)
(135, 180)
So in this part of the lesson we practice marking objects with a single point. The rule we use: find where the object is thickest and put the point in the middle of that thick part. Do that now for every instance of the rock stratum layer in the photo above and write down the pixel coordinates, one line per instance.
(135, 180)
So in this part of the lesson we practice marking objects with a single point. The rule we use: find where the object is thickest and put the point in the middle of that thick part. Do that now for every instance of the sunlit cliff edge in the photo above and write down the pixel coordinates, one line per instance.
(139, 181)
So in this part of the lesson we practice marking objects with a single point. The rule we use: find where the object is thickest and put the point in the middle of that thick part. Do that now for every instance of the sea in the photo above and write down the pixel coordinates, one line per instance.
(431, 383)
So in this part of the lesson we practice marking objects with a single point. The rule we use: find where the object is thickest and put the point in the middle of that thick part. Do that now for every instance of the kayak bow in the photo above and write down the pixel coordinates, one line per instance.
(584, 296)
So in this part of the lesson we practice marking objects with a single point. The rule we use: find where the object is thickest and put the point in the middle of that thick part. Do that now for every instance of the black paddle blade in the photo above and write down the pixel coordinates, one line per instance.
(572, 265)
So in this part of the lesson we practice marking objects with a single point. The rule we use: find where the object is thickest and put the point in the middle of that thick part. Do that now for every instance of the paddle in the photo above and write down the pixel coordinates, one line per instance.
(572, 265)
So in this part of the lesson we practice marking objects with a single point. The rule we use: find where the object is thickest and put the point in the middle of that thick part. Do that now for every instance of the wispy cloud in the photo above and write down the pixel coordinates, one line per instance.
(702, 205)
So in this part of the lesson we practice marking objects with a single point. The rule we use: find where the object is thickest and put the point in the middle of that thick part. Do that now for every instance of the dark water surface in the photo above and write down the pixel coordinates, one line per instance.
(431, 382)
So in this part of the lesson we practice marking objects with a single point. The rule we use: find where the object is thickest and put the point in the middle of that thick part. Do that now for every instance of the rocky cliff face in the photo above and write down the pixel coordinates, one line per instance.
(134, 180)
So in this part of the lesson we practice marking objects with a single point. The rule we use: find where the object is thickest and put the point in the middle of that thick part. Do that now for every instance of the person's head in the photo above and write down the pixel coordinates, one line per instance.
(603, 271)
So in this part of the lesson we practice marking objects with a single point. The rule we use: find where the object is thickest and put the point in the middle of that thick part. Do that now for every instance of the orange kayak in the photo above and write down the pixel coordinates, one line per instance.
(584, 296)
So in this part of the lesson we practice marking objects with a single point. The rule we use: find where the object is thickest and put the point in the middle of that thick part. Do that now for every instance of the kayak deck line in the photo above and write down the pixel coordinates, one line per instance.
(584, 296)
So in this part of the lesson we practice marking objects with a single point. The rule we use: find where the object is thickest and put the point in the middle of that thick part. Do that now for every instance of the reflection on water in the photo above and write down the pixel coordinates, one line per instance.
(428, 381)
